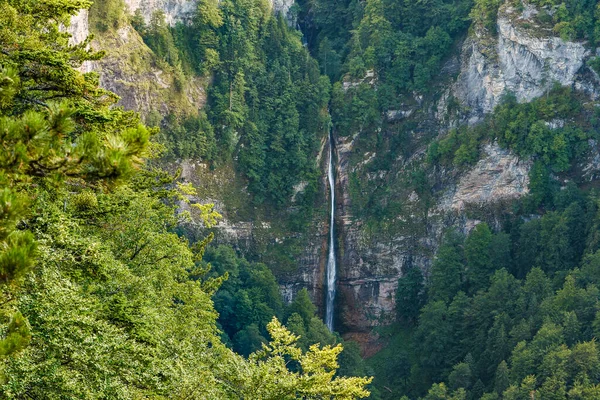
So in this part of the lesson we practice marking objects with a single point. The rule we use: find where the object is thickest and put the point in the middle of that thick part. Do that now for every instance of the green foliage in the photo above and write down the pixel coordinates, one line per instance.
(509, 315)
(188, 137)
(381, 55)
(485, 13)
(264, 80)
(553, 129)
(117, 294)
(247, 301)
(272, 379)
(573, 19)
(250, 297)
(107, 15)
(56, 124)
(354, 110)
(478, 257)
(447, 271)
(118, 305)
(17, 335)
(594, 63)
(410, 295)
(303, 306)
(265, 84)
(157, 35)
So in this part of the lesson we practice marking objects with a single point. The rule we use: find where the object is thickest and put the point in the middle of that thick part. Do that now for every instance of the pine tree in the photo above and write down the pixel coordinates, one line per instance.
(410, 296)
(303, 306)
(447, 271)
(55, 125)
(502, 380)
(477, 253)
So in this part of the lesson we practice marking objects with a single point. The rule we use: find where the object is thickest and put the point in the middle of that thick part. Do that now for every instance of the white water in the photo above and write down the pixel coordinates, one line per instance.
(331, 267)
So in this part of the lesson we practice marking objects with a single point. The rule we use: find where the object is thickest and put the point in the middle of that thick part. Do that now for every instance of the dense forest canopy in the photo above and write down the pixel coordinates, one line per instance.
(101, 298)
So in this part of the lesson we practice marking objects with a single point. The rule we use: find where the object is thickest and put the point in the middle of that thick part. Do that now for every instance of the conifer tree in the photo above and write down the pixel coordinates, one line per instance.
(55, 126)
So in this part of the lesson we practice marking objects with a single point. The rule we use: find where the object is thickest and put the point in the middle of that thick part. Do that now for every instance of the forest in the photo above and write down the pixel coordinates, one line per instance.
(105, 295)
(101, 298)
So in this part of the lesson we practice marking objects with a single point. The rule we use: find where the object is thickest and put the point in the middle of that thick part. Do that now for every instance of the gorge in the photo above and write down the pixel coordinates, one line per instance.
(373, 258)
(371, 267)
(455, 123)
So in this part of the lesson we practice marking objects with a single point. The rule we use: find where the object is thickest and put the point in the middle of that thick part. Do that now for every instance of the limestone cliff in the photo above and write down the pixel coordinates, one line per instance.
(182, 10)
(131, 70)
(523, 58)
(144, 84)
(499, 175)
(174, 10)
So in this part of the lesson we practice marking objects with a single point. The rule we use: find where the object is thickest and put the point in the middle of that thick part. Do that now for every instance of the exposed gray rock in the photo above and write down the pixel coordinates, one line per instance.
(284, 7)
(500, 175)
(396, 115)
(518, 61)
(369, 78)
(174, 10)
(129, 70)
(79, 29)
(591, 169)
(588, 82)
(182, 10)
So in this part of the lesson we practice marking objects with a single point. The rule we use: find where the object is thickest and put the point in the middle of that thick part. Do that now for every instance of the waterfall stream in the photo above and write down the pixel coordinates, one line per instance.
(331, 264)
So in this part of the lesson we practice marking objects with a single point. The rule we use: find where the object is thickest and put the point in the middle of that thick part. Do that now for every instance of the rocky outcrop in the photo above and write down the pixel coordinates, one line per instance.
(523, 59)
(284, 7)
(131, 70)
(259, 236)
(174, 10)
(371, 262)
(183, 10)
(498, 176)
(79, 27)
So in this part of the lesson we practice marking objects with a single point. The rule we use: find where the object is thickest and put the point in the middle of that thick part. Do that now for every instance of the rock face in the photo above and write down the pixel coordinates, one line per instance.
(130, 68)
(174, 10)
(79, 27)
(372, 262)
(523, 59)
(182, 10)
(520, 59)
(498, 176)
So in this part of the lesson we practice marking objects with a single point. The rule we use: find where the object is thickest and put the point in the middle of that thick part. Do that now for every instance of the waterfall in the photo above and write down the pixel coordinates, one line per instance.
(331, 265)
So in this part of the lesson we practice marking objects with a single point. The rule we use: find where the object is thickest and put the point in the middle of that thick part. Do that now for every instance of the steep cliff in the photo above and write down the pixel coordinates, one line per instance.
(386, 221)
(524, 58)
(174, 10)
(131, 70)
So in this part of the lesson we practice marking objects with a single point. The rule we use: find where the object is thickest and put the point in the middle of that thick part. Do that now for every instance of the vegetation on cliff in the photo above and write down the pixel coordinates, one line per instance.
(505, 315)
(508, 312)
(267, 102)
(101, 299)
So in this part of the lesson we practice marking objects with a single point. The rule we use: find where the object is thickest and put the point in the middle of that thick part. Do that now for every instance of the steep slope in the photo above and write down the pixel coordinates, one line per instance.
(153, 87)
(412, 205)
(393, 209)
